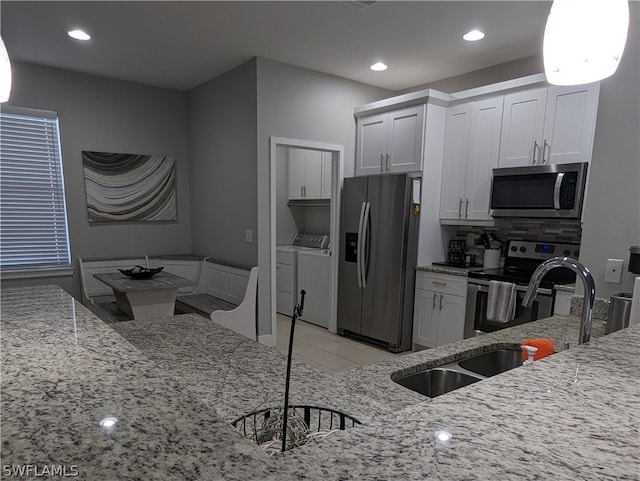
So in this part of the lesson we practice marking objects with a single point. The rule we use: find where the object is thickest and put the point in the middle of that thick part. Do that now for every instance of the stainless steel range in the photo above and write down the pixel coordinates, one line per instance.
(522, 258)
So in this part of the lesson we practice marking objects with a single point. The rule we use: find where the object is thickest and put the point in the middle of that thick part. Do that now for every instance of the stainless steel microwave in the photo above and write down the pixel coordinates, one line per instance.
(547, 191)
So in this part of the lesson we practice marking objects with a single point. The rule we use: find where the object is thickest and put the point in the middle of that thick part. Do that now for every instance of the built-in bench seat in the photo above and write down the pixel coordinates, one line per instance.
(219, 286)
(202, 304)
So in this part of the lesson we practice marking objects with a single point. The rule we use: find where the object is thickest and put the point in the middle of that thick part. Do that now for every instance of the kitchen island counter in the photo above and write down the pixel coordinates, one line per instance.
(179, 381)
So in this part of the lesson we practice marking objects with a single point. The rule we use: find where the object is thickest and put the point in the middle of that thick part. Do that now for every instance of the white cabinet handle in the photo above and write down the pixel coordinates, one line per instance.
(466, 209)
(301, 193)
(460, 209)
(381, 162)
(434, 300)
(535, 148)
(441, 296)
(388, 162)
(439, 283)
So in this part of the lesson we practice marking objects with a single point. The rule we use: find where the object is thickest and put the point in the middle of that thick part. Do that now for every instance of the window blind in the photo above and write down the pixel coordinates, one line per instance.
(33, 216)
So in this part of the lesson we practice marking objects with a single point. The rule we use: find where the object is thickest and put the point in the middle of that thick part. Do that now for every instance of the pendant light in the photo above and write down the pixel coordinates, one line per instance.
(5, 73)
(584, 40)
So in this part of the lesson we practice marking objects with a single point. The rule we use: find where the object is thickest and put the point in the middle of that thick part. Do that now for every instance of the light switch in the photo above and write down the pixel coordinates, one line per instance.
(613, 273)
(248, 236)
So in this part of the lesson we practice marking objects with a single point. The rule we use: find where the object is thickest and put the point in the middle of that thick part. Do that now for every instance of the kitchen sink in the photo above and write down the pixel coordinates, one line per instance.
(493, 362)
(443, 379)
(436, 381)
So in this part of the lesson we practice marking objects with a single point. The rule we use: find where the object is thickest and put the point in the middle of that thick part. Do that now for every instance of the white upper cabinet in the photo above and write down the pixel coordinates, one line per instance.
(457, 128)
(404, 144)
(306, 175)
(569, 124)
(484, 148)
(390, 142)
(325, 186)
(522, 127)
(471, 147)
(548, 125)
(296, 173)
(371, 144)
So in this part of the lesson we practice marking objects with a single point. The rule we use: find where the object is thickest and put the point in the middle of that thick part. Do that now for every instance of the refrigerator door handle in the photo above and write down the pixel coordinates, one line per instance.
(365, 244)
(359, 245)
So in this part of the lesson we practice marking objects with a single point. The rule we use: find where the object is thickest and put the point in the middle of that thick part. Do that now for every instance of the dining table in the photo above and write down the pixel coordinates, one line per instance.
(145, 298)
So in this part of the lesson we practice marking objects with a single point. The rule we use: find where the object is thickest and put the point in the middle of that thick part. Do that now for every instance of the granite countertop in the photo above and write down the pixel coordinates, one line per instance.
(175, 383)
(454, 271)
(600, 307)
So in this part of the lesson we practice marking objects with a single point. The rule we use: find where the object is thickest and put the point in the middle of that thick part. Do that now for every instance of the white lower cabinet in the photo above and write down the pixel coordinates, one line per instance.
(439, 309)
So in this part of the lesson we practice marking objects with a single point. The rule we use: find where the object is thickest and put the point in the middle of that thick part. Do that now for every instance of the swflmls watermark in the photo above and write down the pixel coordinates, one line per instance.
(40, 470)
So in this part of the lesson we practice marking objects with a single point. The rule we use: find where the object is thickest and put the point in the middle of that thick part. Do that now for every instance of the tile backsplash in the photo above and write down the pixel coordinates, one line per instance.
(549, 230)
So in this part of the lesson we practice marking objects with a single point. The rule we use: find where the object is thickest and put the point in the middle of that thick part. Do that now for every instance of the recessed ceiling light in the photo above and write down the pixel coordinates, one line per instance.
(79, 35)
(378, 67)
(473, 36)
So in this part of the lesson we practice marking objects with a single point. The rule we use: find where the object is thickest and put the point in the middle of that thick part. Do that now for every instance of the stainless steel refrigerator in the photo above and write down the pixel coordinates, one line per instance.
(378, 249)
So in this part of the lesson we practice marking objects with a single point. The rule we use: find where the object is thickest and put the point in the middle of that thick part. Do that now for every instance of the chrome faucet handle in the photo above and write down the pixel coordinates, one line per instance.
(588, 284)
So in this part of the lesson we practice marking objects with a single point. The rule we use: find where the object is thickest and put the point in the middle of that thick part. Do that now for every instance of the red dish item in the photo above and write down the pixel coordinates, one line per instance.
(545, 348)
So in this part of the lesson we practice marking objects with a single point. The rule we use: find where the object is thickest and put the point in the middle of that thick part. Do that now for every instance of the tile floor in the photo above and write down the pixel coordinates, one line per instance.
(327, 352)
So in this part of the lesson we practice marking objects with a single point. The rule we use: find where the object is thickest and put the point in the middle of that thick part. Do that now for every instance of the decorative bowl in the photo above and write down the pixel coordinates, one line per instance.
(139, 272)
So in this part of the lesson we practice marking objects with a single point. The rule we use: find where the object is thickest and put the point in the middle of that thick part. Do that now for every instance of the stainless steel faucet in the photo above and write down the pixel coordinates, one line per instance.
(587, 281)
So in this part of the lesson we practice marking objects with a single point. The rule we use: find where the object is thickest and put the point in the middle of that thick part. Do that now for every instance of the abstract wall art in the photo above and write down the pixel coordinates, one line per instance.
(130, 187)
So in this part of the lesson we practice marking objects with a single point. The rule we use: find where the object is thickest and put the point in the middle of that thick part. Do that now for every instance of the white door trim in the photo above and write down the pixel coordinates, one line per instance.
(267, 233)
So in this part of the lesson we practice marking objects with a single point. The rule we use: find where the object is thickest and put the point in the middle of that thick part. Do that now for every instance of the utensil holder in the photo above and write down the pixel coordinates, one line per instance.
(491, 258)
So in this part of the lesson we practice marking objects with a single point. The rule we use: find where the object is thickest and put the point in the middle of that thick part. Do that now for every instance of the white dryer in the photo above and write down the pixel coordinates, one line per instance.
(314, 276)
(287, 292)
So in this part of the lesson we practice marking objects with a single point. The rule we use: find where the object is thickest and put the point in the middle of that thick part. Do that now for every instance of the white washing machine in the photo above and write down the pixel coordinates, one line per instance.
(314, 276)
(287, 292)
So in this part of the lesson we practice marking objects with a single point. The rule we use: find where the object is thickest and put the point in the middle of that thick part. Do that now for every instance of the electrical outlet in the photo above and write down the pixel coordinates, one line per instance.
(613, 273)
(248, 236)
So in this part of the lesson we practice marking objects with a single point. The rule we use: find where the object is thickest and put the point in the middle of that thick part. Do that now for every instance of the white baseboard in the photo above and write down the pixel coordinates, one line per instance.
(268, 340)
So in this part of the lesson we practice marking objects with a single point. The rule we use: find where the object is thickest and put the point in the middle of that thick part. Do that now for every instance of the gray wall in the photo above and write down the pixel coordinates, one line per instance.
(107, 115)
(497, 73)
(612, 210)
(303, 104)
(222, 147)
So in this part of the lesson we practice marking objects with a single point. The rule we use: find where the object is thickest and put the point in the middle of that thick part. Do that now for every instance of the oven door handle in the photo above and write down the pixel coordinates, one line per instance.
(483, 286)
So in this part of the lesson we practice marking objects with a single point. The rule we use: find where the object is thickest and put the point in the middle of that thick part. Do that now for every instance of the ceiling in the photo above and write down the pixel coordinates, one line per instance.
(181, 44)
